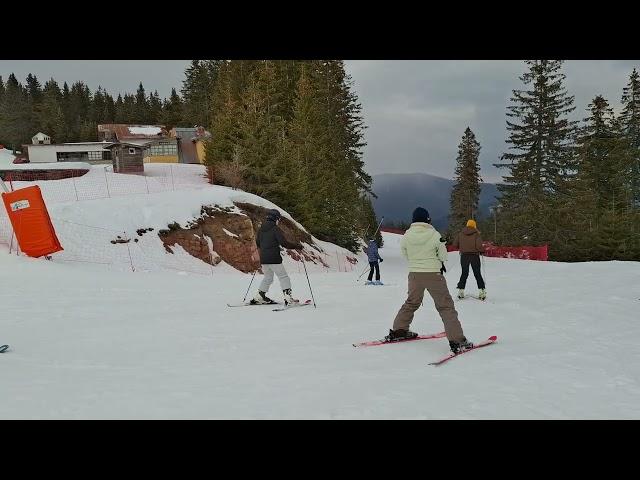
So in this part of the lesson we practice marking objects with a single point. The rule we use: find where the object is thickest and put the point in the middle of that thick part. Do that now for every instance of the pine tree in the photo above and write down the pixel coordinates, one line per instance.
(109, 114)
(305, 150)
(98, 106)
(197, 90)
(369, 221)
(465, 194)
(34, 89)
(600, 193)
(324, 141)
(15, 115)
(630, 120)
(261, 131)
(34, 104)
(155, 109)
(172, 115)
(119, 110)
(140, 113)
(129, 109)
(76, 104)
(223, 146)
(51, 115)
(298, 147)
(541, 160)
(343, 172)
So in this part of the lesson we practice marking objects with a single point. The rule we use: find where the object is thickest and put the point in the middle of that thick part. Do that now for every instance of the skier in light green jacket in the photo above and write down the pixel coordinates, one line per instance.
(421, 245)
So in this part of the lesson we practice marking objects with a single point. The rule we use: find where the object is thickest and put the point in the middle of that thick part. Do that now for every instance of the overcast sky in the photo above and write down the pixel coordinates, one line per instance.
(416, 111)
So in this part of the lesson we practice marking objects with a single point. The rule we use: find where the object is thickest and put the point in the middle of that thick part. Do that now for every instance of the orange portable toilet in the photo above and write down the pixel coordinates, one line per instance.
(31, 222)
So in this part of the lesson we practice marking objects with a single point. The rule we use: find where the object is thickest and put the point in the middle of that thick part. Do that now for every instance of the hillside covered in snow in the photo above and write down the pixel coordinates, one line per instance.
(93, 342)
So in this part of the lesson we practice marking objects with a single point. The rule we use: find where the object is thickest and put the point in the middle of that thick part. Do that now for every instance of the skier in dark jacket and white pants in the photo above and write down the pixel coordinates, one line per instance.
(269, 239)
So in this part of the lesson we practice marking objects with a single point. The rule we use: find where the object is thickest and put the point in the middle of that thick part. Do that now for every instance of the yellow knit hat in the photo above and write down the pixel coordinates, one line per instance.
(471, 223)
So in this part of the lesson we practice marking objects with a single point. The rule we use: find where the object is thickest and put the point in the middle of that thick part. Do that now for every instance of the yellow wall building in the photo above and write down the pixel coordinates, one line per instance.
(162, 151)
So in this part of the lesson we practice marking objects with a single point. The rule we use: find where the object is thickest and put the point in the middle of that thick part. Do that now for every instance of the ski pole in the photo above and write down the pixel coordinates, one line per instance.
(376, 232)
(245, 295)
(305, 272)
(363, 272)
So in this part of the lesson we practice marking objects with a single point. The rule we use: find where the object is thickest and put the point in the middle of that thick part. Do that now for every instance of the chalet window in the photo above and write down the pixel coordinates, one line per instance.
(99, 155)
(72, 156)
(132, 151)
(163, 148)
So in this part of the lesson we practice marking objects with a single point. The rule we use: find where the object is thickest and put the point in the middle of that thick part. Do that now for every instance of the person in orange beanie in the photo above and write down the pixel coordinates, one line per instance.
(470, 244)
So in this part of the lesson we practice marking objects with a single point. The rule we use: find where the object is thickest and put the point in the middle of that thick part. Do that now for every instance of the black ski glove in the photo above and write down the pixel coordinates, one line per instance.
(443, 269)
(381, 260)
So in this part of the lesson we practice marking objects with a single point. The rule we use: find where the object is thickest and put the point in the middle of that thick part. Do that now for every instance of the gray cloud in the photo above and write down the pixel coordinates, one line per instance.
(416, 111)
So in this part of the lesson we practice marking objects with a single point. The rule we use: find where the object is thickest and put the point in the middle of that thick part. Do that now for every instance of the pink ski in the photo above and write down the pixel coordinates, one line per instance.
(489, 341)
(385, 342)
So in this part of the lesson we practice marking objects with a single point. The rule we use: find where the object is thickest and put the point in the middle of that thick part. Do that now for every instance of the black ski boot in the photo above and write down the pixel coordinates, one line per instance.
(457, 347)
(261, 299)
(398, 335)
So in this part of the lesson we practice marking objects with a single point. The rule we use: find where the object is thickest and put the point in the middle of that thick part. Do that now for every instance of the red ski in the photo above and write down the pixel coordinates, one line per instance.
(489, 341)
(385, 342)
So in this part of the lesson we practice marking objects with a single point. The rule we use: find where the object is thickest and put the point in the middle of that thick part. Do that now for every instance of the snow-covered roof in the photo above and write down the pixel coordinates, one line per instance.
(146, 130)
(125, 132)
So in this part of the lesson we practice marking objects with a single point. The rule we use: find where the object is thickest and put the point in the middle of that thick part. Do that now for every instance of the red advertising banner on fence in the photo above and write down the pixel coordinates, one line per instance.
(522, 253)
(491, 250)
(392, 230)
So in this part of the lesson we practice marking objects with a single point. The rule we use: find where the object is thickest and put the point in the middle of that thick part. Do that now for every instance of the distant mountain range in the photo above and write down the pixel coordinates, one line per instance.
(400, 193)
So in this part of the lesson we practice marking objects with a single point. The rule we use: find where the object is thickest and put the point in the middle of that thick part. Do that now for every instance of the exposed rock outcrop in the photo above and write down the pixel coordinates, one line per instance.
(227, 233)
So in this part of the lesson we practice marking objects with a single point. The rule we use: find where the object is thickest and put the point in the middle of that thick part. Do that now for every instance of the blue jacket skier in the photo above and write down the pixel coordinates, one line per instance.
(373, 256)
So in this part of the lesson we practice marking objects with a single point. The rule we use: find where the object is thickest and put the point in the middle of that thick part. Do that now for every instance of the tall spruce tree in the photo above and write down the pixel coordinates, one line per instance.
(119, 110)
(223, 128)
(541, 157)
(172, 115)
(261, 130)
(630, 120)
(34, 103)
(465, 194)
(15, 114)
(98, 105)
(155, 109)
(197, 90)
(109, 115)
(51, 115)
(129, 109)
(140, 113)
(295, 128)
(600, 194)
